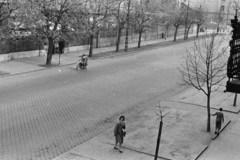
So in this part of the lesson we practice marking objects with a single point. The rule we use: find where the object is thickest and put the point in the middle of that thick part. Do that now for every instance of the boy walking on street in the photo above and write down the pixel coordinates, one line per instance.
(219, 120)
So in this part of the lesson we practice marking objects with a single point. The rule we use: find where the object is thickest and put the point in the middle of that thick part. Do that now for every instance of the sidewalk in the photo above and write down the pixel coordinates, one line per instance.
(226, 147)
(31, 64)
(181, 139)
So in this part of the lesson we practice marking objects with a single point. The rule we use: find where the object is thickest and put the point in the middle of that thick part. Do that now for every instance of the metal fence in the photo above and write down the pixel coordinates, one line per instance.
(109, 38)
(105, 38)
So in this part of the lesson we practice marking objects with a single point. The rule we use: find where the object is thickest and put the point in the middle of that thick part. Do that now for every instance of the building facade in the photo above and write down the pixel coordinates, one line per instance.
(219, 11)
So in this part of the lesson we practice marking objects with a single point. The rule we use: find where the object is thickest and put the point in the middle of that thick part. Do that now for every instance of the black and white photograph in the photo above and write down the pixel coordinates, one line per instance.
(119, 79)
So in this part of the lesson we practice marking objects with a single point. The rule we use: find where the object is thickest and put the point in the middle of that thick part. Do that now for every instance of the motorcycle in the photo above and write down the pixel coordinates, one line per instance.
(82, 63)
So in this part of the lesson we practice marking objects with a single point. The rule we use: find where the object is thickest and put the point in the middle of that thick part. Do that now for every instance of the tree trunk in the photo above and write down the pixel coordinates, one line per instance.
(145, 35)
(50, 51)
(235, 100)
(158, 140)
(198, 26)
(188, 31)
(175, 34)
(39, 48)
(208, 113)
(139, 38)
(91, 45)
(167, 30)
(118, 39)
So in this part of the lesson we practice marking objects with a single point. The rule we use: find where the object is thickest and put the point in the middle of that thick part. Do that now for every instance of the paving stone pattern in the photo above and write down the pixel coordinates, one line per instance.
(21, 134)
(46, 126)
(53, 122)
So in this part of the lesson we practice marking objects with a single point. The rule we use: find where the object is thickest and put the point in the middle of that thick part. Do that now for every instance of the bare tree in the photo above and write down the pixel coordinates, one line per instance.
(120, 14)
(95, 13)
(175, 18)
(200, 16)
(190, 19)
(143, 15)
(235, 5)
(8, 11)
(205, 67)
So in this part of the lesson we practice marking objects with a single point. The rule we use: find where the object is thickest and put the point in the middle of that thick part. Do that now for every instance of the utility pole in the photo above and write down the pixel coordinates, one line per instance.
(186, 23)
(219, 16)
(128, 12)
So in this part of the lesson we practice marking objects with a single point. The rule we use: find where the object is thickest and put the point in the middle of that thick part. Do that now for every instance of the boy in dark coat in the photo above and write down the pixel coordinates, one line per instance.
(219, 120)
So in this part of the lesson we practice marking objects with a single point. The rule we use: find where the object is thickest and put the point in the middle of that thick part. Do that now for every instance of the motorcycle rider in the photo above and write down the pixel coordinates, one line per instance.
(84, 59)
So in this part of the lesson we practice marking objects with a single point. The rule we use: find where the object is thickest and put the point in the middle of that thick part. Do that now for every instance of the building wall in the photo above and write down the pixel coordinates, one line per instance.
(210, 5)
(219, 11)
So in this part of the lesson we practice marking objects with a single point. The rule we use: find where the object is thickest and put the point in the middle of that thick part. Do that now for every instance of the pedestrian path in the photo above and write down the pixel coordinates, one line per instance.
(226, 146)
(181, 139)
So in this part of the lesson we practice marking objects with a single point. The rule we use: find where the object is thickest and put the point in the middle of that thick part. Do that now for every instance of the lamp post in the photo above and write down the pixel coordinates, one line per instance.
(128, 12)
(219, 16)
(186, 23)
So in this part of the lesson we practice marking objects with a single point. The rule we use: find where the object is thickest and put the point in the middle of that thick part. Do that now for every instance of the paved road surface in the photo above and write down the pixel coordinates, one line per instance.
(46, 113)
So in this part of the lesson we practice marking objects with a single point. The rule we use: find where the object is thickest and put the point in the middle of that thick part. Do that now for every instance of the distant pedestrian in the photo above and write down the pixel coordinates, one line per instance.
(165, 35)
(219, 120)
(119, 133)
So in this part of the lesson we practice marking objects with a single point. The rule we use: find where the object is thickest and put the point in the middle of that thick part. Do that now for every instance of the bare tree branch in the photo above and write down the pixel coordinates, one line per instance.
(204, 66)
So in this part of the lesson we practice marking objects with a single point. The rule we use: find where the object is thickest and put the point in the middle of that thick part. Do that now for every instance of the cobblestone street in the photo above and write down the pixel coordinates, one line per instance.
(44, 123)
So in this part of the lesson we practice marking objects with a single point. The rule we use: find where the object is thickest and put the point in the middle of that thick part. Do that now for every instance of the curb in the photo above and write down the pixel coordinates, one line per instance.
(44, 68)
(205, 148)
(205, 106)
(222, 129)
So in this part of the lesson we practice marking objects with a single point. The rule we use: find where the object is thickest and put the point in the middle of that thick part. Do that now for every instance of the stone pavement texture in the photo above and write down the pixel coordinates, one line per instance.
(181, 138)
(184, 135)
